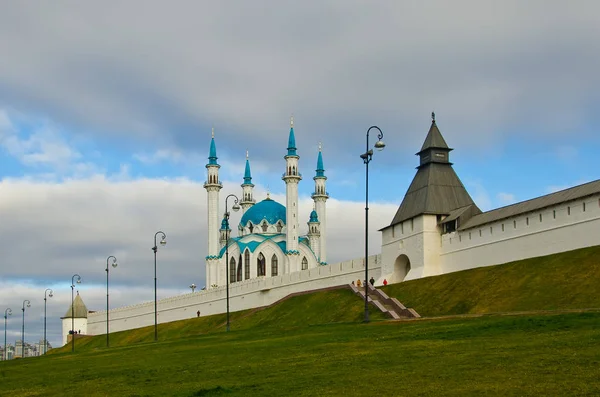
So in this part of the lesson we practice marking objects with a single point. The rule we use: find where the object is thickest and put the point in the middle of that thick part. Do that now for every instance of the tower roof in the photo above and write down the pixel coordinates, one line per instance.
(313, 216)
(434, 139)
(77, 308)
(212, 154)
(291, 140)
(247, 174)
(320, 169)
(435, 189)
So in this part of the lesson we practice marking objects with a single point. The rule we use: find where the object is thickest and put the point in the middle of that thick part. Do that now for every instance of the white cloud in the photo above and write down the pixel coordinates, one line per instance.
(506, 198)
(52, 230)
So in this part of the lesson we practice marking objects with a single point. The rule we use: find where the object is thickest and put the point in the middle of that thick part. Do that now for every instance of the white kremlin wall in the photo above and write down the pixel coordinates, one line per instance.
(564, 227)
(243, 295)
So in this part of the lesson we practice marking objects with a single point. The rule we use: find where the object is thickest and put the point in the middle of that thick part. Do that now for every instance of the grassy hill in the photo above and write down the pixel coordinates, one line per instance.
(322, 307)
(569, 280)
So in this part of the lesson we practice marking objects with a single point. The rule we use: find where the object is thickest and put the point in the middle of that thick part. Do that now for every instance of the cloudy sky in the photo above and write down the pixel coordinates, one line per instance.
(106, 110)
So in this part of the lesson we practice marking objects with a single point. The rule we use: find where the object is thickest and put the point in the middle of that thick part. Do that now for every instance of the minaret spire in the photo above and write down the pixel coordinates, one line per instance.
(213, 186)
(291, 177)
(320, 197)
(247, 188)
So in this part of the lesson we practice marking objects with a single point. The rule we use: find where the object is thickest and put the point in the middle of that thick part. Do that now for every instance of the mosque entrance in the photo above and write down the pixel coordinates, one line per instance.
(401, 268)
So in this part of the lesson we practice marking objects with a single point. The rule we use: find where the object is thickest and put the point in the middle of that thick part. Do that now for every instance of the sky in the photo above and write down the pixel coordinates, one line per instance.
(106, 111)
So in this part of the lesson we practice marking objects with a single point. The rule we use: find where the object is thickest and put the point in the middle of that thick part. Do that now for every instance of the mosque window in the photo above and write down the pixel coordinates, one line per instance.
(304, 263)
(260, 265)
(246, 265)
(264, 226)
(274, 265)
(279, 227)
(239, 269)
(250, 226)
(232, 275)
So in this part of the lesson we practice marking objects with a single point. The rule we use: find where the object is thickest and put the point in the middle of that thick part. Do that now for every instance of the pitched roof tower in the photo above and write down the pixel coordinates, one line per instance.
(435, 189)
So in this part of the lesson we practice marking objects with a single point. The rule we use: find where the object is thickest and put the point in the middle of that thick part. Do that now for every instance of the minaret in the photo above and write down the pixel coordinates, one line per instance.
(213, 186)
(320, 197)
(291, 179)
(224, 232)
(247, 187)
(314, 233)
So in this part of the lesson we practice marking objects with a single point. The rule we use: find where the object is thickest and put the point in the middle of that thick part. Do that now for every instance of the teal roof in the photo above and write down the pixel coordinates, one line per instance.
(252, 245)
(224, 224)
(212, 155)
(320, 169)
(313, 216)
(268, 209)
(247, 175)
(291, 143)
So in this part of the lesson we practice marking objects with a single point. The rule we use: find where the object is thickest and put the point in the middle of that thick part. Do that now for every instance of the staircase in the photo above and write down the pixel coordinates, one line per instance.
(390, 306)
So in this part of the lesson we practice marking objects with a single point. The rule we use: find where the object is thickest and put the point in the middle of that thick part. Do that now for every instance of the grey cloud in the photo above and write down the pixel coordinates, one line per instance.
(170, 71)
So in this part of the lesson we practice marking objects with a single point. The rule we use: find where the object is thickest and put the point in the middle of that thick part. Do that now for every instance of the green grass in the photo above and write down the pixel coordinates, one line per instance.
(323, 307)
(490, 355)
(569, 280)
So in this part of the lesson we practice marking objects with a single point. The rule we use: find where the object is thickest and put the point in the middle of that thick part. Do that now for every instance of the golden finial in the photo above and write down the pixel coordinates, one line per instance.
(246, 154)
(320, 146)
(292, 121)
(213, 132)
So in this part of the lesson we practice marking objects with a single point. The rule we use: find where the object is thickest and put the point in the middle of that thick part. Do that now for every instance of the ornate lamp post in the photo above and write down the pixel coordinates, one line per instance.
(7, 313)
(23, 328)
(78, 277)
(45, 299)
(114, 264)
(163, 242)
(236, 208)
(367, 157)
(193, 287)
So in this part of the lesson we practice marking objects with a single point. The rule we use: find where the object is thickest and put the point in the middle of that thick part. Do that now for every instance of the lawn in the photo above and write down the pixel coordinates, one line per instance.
(553, 354)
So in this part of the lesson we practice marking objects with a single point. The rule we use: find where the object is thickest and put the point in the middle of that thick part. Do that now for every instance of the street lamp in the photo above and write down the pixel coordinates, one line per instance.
(45, 299)
(23, 329)
(114, 264)
(367, 157)
(193, 287)
(78, 277)
(7, 313)
(155, 248)
(236, 208)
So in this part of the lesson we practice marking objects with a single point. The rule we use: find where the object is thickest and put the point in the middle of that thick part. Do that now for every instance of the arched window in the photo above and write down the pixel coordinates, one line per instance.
(260, 265)
(250, 226)
(246, 265)
(232, 277)
(279, 227)
(264, 226)
(239, 269)
(304, 263)
(273, 265)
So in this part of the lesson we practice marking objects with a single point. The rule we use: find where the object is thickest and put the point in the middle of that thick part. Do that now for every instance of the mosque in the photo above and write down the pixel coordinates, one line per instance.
(269, 242)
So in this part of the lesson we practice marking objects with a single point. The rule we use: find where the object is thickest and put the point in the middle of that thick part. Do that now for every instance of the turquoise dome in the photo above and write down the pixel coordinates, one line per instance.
(268, 209)
(313, 216)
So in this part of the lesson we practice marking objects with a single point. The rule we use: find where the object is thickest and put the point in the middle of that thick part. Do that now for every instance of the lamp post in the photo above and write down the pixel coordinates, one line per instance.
(114, 264)
(367, 157)
(236, 208)
(7, 313)
(193, 287)
(163, 242)
(78, 277)
(23, 328)
(45, 299)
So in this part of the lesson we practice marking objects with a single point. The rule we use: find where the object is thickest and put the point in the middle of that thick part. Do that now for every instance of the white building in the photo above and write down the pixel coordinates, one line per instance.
(269, 242)
(439, 229)
(75, 319)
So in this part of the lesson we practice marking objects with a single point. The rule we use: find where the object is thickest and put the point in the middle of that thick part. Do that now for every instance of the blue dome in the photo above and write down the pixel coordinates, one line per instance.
(313, 216)
(269, 210)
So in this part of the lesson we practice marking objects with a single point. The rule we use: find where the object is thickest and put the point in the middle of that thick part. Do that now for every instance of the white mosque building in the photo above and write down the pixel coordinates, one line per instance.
(269, 242)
